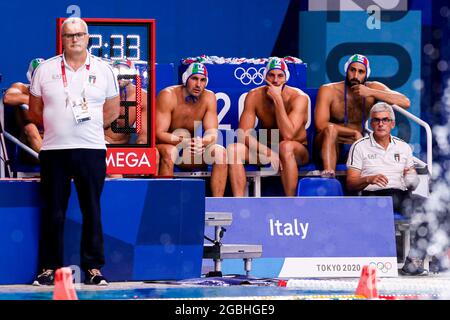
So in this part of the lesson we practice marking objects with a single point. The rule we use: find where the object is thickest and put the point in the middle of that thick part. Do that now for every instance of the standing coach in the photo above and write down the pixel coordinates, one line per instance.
(75, 96)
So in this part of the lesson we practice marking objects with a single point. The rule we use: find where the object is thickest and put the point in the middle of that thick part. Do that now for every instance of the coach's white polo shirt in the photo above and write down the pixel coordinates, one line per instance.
(367, 156)
(61, 128)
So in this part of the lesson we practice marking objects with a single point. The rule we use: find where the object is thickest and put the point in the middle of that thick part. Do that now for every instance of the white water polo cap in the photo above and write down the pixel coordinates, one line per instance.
(194, 68)
(123, 67)
(32, 67)
(360, 59)
(277, 63)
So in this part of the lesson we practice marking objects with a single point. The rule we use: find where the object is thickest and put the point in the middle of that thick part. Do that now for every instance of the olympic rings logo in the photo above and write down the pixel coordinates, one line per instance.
(383, 267)
(251, 75)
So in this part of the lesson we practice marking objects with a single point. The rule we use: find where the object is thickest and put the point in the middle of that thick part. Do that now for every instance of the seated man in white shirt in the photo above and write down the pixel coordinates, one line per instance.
(382, 165)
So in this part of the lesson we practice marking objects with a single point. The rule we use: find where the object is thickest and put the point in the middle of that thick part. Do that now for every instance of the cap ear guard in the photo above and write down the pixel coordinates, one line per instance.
(184, 77)
(358, 58)
(277, 63)
(199, 69)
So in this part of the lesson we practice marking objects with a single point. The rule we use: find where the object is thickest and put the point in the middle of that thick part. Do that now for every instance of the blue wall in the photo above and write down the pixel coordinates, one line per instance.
(183, 28)
(153, 229)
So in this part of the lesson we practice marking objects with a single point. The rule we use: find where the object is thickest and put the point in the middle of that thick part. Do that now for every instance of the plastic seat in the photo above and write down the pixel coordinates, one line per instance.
(320, 187)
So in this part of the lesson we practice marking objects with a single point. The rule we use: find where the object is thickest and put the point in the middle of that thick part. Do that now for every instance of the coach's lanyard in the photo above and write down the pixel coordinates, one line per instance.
(66, 84)
(79, 106)
(363, 119)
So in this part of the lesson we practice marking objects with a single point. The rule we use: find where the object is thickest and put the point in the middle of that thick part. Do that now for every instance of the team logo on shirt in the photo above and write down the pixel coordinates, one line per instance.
(56, 76)
(92, 79)
(397, 157)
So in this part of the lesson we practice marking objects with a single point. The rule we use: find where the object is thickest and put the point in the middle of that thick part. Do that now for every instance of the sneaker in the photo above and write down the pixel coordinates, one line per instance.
(46, 278)
(413, 267)
(94, 276)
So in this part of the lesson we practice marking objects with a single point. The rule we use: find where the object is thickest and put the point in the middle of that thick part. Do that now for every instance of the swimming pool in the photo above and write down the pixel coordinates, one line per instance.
(173, 293)
(426, 288)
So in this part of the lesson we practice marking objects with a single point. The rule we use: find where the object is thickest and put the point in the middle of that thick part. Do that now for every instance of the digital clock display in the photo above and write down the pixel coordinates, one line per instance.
(114, 43)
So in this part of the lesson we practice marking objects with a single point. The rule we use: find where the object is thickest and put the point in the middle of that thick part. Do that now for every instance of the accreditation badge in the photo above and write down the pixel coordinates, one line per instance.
(80, 110)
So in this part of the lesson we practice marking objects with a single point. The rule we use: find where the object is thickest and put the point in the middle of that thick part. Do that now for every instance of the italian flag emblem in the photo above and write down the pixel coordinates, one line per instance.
(92, 79)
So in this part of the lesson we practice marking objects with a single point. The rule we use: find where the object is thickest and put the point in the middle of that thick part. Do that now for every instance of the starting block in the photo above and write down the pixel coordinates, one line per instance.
(219, 251)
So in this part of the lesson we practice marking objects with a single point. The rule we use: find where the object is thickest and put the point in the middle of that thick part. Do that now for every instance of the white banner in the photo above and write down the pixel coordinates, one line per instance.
(337, 267)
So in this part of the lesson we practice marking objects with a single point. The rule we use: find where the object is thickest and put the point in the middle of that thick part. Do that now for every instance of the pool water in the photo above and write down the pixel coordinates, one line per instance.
(175, 293)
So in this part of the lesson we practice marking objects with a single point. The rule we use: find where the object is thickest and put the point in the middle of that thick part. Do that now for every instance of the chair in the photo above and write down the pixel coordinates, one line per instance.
(320, 187)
